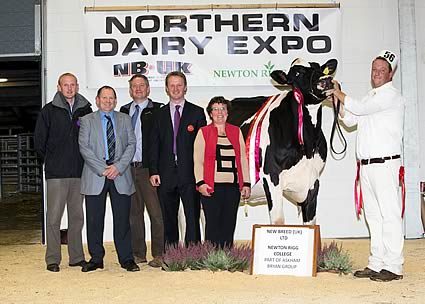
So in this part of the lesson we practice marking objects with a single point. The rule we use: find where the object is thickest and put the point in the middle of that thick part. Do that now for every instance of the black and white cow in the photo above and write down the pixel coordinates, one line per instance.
(286, 150)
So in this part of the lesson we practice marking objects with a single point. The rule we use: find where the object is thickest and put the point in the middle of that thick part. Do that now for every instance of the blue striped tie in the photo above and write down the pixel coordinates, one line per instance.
(110, 138)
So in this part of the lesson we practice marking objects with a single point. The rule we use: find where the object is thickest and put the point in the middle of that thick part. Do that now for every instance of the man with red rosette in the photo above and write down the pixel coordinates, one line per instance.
(175, 126)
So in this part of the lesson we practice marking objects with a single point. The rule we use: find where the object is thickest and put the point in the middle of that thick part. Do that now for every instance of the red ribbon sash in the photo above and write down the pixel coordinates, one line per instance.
(256, 147)
(403, 189)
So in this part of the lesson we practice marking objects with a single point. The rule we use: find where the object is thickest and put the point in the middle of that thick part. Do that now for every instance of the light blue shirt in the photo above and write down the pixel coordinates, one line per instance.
(138, 128)
(104, 122)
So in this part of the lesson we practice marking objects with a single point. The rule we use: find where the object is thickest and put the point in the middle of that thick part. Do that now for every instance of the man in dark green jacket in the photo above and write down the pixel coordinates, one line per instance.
(56, 142)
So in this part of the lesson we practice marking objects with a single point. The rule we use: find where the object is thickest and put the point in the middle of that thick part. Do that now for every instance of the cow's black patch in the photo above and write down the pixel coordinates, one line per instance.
(243, 109)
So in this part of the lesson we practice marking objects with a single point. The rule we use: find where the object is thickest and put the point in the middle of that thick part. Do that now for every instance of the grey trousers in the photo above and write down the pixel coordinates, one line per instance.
(61, 192)
(145, 195)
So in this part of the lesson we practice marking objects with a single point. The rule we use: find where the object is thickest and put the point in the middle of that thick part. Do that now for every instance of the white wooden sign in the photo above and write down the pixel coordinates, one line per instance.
(285, 249)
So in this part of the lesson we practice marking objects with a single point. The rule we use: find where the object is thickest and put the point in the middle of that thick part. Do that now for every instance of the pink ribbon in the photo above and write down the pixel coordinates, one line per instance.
(299, 97)
(358, 198)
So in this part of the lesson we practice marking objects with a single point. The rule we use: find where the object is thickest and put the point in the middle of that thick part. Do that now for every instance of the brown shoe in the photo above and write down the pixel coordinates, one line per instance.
(365, 273)
(386, 276)
(139, 260)
(156, 262)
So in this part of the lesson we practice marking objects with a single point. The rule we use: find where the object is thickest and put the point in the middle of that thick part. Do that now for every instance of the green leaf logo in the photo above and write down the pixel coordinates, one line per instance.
(269, 67)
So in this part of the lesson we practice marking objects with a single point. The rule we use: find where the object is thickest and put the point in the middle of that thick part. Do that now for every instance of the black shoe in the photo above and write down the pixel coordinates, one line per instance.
(53, 267)
(130, 266)
(386, 276)
(81, 263)
(91, 266)
(365, 273)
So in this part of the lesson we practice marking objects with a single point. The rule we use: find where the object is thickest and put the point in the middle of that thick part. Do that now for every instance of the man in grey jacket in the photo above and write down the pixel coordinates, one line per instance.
(107, 144)
(56, 142)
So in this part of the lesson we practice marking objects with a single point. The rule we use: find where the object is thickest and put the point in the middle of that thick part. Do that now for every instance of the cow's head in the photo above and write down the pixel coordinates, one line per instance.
(311, 78)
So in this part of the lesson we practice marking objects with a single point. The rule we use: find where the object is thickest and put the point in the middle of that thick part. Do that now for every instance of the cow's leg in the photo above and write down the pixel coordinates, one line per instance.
(309, 206)
(274, 202)
(182, 223)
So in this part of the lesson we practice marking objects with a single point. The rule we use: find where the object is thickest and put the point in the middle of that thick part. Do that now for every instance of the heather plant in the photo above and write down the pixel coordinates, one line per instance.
(206, 256)
(241, 257)
(196, 253)
(175, 258)
(333, 258)
(218, 260)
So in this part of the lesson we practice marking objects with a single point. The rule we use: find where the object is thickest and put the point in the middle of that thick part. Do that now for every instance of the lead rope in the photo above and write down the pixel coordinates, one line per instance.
(336, 126)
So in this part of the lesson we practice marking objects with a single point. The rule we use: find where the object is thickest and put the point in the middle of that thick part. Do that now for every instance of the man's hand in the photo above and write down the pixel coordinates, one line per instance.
(340, 95)
(155, 180)
(111, 172)
(205, 190)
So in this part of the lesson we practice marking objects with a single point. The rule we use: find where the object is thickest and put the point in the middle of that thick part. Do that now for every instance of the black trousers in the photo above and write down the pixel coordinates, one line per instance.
(170, 194)
(221, 210)
(95, 213)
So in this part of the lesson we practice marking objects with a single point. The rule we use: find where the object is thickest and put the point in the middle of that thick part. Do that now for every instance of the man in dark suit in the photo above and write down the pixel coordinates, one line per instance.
(107, 144)
(140, 111)
(171, 159)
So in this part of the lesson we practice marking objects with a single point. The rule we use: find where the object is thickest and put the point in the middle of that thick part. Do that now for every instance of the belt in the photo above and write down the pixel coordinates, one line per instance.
(136, 164)
(379, 160)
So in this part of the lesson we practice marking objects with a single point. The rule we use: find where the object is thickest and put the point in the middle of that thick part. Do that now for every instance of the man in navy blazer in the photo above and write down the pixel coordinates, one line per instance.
(106, 170)
(171, 159)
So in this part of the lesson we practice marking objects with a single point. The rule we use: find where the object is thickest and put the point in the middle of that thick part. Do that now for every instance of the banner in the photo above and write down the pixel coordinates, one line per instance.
(228, 47)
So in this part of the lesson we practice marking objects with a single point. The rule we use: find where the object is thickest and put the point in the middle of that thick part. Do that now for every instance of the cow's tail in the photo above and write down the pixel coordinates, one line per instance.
(308, 208)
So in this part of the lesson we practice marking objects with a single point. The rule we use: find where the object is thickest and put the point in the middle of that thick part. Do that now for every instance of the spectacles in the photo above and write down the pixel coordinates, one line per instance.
(222, 109)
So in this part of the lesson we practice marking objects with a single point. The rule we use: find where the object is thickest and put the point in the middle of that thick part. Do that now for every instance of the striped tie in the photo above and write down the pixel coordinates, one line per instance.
(110, 139)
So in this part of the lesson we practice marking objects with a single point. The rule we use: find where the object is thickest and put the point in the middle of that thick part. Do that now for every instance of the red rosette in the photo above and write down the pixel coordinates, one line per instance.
(190, 128)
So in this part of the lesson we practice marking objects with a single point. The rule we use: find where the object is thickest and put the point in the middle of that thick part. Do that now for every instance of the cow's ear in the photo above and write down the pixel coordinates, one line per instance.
(279, 76)
(329, 67)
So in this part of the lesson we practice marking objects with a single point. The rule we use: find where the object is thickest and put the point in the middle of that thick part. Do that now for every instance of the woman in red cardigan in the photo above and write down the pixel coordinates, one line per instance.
(221, 172)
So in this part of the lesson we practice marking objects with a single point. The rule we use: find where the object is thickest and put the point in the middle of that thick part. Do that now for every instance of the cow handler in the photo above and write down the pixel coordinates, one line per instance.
(379, 118)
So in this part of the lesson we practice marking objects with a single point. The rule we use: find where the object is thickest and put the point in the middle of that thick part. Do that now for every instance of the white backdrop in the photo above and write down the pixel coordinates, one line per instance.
(367, 27)
(220, 47)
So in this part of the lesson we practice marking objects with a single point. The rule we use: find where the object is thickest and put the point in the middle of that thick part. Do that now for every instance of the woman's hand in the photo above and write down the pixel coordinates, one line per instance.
(205, 190)
(246, 192)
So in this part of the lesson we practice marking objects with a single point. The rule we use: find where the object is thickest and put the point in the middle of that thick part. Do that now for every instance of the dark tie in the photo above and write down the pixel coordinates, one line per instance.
(176, 128)
(110, 139)
(135, 117)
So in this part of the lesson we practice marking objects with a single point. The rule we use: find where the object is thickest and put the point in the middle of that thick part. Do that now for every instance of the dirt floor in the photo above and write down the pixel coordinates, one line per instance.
(23, 279)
